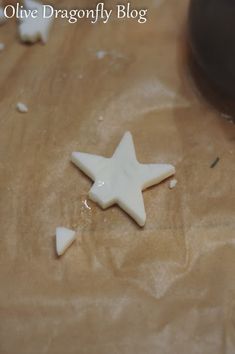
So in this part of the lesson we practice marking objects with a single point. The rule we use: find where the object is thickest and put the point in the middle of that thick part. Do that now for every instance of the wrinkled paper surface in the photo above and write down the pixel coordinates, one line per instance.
(166, 288)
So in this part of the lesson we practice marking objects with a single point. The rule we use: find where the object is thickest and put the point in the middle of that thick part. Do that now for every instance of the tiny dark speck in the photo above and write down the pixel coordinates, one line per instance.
(215, 162)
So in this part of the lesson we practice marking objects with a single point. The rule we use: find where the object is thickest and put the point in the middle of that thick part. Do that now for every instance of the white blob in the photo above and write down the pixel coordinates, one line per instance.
(22, 108)
(64, 239)
(32, 29)
(101, 54)
(173, 183)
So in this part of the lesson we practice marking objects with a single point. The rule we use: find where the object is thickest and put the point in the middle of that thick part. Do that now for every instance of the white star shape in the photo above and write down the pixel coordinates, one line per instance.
(121, 178)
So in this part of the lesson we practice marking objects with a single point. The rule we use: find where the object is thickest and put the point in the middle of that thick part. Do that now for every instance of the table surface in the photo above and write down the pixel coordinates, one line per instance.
(119, 288)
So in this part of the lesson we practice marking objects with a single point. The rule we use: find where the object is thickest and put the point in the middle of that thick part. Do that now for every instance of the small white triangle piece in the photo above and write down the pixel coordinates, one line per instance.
(64, 238)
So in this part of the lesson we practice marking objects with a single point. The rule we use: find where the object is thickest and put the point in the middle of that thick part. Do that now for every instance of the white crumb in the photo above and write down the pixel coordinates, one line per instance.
(22, 108)
(100, 119)
(101, 54)
(2, 46)
(85, 203)
(173, 183)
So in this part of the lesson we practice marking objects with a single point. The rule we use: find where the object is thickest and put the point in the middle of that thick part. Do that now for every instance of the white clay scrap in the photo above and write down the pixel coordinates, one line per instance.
(36, 29)
(21, 107)
(101, 54)
(2, 17)
(64, 239)
(121, 178)
(173, 183)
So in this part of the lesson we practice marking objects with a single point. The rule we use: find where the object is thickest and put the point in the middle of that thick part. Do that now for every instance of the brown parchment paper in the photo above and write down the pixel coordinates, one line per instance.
(166, 288)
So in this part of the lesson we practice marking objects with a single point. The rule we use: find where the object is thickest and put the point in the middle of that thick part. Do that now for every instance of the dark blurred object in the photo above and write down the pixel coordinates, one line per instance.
(212, 42)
